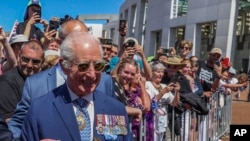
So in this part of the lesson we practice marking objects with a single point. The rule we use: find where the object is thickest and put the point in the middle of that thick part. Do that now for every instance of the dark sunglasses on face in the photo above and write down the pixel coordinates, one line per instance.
(172, 66)
(98, 66)
(186, 48)
(27, 60)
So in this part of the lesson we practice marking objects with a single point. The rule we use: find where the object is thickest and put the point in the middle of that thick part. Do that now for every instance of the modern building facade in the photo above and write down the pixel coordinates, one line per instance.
(207, 23)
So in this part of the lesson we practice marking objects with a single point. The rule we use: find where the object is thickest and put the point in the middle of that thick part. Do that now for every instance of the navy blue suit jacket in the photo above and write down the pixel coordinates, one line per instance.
(52, 116)
(40, 84)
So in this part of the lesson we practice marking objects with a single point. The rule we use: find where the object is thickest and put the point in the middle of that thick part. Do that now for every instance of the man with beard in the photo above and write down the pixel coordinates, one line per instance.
(11, 83)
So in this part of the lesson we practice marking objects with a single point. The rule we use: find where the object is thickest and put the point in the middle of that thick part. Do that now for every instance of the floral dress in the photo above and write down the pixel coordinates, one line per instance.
(131, 99)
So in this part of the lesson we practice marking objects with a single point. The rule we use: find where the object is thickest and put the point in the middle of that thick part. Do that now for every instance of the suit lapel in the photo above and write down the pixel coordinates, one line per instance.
(64, 107)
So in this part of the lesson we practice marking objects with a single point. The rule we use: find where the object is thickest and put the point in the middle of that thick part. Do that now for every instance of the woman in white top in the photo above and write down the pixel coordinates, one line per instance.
(160, 95)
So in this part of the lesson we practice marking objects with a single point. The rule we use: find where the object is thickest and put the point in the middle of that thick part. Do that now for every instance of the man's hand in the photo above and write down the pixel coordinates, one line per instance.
(33, 19)
(45, 23)
(218, 69)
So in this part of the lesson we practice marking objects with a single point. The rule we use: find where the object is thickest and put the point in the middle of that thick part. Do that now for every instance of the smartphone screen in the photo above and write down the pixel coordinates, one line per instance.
(122, 25)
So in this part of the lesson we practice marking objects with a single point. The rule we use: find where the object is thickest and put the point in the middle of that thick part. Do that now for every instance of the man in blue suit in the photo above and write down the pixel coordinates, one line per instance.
(45, 81)
(56, 115)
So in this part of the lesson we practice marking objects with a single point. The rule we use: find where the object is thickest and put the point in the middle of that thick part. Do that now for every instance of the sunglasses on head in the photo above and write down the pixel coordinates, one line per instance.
(98, 66)
(27, 60)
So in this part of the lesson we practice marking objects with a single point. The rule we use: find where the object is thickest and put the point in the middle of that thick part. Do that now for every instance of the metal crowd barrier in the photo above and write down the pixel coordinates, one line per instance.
(195, 127)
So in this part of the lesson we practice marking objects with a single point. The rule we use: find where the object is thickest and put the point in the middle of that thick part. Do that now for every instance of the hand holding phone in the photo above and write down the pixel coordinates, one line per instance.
(122, 25)
(38, 12)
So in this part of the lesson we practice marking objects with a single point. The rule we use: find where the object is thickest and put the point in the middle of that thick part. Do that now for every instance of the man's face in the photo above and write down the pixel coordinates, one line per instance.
(32, 10)
(213, 57)
(30, 61)
(106, 51)
(114, 52)
(83, 82)
(171, 69)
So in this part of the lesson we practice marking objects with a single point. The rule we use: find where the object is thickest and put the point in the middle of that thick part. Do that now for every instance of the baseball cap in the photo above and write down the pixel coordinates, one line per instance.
(216, 50)
(130, 39)
(18, 38)
(34, 2)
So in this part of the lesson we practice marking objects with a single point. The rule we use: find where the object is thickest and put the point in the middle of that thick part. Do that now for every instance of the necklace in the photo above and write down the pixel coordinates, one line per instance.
(158, 88)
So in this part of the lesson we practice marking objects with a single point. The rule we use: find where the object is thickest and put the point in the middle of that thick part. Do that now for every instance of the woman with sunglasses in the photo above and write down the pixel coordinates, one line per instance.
(161, 96)
(130, 89)
(185, 48)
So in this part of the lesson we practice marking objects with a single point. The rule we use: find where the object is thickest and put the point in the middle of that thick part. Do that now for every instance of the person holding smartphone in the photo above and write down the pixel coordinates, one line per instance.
(33, 16)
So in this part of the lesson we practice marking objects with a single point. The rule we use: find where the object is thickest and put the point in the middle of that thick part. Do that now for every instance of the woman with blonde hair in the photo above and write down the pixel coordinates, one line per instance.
(130, 89)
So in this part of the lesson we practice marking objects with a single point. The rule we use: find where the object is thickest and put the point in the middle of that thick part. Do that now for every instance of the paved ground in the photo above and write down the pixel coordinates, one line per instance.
(241, 110)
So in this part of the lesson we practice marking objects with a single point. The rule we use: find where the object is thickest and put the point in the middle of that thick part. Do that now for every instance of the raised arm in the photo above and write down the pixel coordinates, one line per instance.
(10, 56)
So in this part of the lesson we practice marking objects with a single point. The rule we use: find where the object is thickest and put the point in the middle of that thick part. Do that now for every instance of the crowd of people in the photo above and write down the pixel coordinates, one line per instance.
(66, 84)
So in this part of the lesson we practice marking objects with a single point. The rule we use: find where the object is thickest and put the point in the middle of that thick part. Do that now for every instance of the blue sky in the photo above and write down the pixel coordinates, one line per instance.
(11, 10)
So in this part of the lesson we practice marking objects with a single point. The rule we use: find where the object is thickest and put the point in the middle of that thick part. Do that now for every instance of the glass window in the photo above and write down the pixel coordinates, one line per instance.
(179, 8)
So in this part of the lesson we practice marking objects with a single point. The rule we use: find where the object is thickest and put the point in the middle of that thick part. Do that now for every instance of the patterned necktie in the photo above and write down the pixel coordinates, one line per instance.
(83, 119)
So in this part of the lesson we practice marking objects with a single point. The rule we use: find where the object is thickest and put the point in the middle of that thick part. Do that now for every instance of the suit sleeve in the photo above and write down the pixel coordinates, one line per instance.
(29, 127)
(16, 121)
(129, 136)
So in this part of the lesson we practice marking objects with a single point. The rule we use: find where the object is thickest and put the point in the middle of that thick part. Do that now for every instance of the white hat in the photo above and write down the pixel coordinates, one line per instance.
(232, 70)
(130, 39)
(216, 50)
(18, 38)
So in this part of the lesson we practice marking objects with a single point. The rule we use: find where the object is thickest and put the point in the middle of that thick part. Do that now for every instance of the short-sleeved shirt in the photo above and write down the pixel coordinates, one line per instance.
(35, 32)
(11, 87)
(167, 98)
(206, 75)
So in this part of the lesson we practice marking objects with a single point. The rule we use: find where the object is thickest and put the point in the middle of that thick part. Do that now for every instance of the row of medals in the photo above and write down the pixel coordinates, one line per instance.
(111, 124)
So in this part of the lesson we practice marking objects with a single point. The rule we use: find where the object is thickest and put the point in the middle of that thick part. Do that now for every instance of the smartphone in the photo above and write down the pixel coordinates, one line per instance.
(217, 63)
(38, 12)
(131, 43)
(53, 25)
(122, 25)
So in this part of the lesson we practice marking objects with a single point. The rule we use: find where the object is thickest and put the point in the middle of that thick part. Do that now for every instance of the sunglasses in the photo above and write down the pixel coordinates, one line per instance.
(172, 66)
(186, 48)
(27, 60)
(98, 66)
